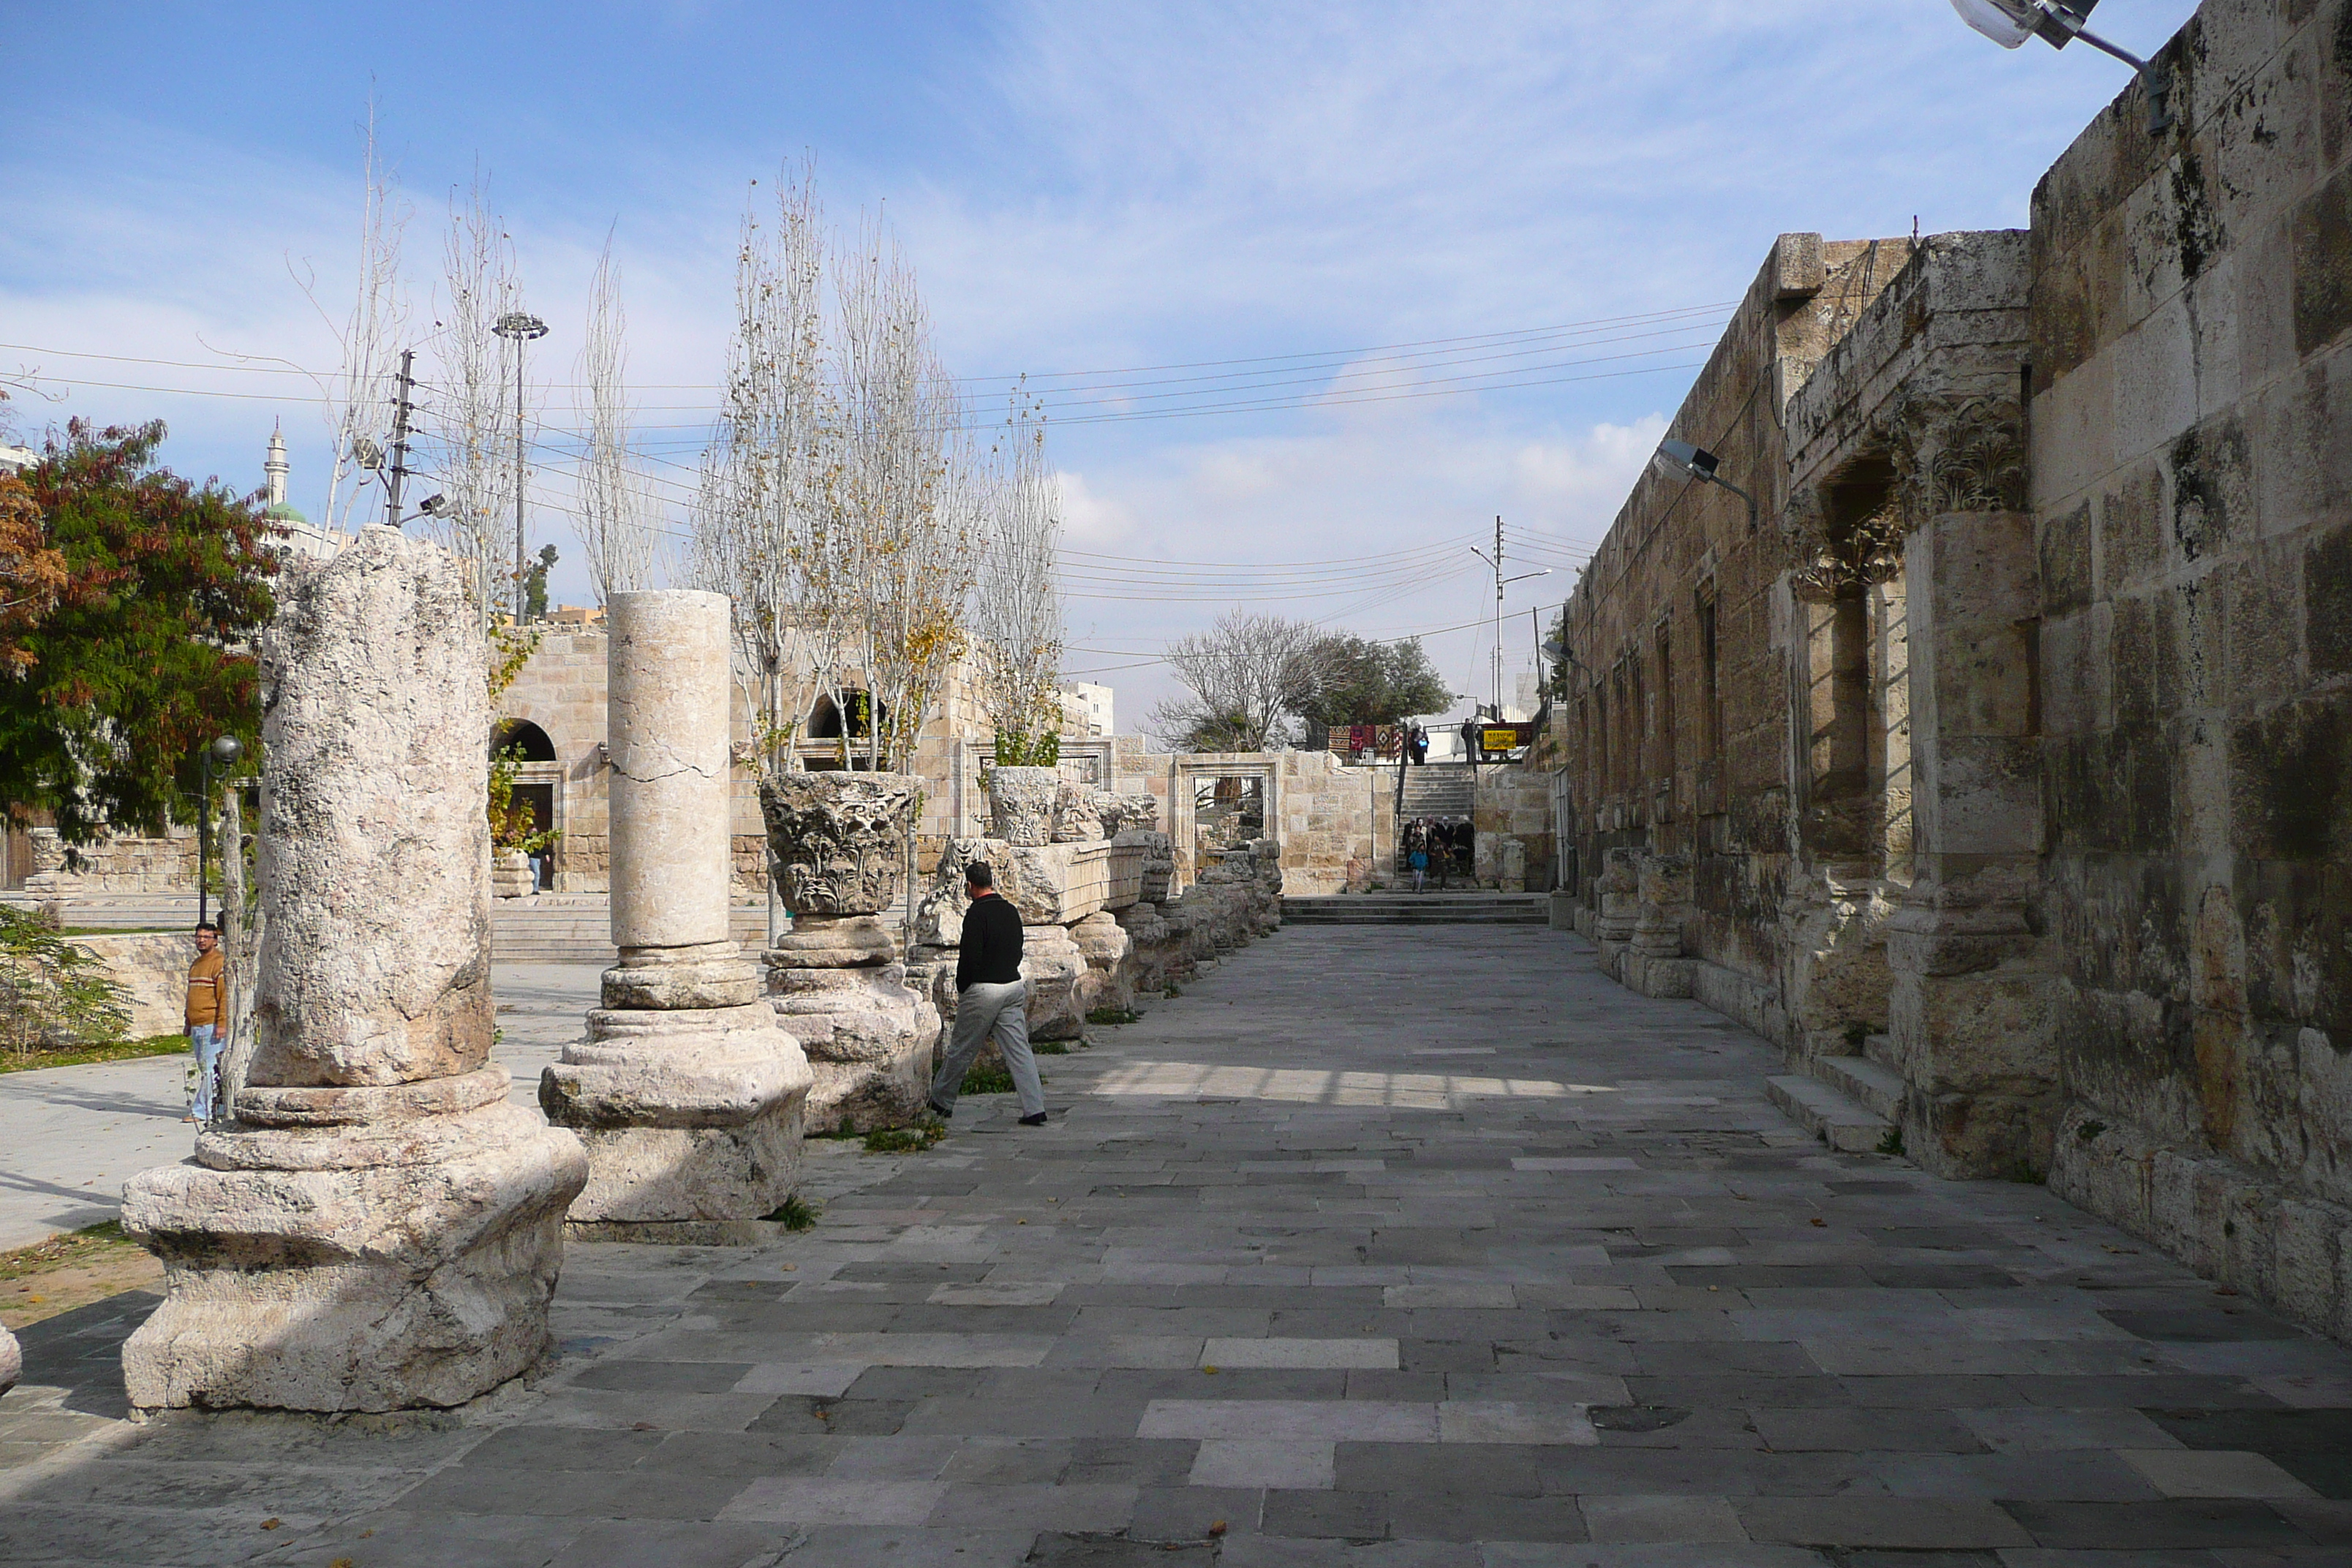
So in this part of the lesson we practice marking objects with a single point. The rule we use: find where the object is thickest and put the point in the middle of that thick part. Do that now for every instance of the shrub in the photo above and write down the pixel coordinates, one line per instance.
(53, 993)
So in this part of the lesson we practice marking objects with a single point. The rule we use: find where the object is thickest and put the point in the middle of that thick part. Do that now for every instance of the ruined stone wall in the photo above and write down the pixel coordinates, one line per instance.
(2193, 489)
(1671, 751)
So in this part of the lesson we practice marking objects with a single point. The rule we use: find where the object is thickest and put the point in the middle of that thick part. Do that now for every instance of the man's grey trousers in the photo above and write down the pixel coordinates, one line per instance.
(980, 1010)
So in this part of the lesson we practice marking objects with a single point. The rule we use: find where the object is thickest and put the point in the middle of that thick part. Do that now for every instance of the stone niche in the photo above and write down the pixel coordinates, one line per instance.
(838, 842)
(377, 1227)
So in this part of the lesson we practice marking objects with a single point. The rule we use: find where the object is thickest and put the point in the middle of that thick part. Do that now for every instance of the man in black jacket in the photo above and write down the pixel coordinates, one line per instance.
(990, 996)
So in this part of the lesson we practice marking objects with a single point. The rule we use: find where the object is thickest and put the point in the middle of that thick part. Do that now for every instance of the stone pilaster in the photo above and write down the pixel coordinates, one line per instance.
(1653, 962)
(687, 1094)
(377, 1227)
(836, 842)
(1619, 886)
(1976, 989)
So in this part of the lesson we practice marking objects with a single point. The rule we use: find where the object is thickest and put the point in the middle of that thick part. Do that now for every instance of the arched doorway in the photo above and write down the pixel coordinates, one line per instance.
(536, 785)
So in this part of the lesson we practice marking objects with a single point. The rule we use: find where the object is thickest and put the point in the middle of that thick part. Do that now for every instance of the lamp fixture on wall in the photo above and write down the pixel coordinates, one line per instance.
(1681, 461)
(2009, 23)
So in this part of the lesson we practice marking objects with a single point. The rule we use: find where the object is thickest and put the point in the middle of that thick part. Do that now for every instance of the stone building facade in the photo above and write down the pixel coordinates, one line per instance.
(2003, 773)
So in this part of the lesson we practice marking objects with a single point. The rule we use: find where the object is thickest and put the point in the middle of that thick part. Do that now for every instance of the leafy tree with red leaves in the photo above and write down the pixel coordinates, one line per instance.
(141, 654)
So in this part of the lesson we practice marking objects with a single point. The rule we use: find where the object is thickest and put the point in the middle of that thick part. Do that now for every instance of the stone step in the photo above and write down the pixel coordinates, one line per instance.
(1871, 1084)
(1440, 909)
(1816, 1107)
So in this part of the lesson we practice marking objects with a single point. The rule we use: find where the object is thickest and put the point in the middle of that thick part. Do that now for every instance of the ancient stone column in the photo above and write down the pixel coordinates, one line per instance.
(377, 1227)
(687, 1094)
(838, 842)
(12, 1361)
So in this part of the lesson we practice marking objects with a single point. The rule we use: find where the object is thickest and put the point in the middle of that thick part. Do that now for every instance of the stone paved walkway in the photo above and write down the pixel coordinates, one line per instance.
(1419, 1247)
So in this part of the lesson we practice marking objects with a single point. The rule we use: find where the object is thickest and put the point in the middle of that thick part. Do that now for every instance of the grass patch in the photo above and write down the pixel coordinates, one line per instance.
(73, 1248)
(1892, 1143)
(987, 1080)
(72, 1270)
(82, 1056)
(1048, 1049)
(904, 1140)
(1113, 1017)
(793, 1214)
(1171, 993)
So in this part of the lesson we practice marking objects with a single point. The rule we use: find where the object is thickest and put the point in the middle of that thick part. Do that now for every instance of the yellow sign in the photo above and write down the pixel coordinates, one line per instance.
(1497, 740)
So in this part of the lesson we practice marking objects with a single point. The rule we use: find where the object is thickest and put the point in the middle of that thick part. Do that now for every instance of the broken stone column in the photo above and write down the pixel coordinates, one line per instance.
(377, 1227)
(1020, 803)
(838, 842)
(12, 1361)
(687, 1094)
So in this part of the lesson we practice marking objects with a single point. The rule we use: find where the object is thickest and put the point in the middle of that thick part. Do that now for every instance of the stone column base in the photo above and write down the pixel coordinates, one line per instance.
(692, 1114)
(388, 1254)
(1053, 965)
(870, 1041)
(1972, 1025)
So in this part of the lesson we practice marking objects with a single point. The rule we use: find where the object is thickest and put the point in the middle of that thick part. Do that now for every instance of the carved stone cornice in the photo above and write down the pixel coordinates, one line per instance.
(1954, 453)
(1949, 453)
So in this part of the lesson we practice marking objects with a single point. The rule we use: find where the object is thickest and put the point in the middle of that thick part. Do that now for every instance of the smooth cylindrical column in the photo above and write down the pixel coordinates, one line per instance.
(667, 731)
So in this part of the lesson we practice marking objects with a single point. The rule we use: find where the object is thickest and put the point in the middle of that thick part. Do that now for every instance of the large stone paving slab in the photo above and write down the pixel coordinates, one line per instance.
(1417, 1248)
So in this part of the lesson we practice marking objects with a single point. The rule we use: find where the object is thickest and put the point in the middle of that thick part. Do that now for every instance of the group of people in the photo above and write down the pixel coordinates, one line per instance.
(1432, 846)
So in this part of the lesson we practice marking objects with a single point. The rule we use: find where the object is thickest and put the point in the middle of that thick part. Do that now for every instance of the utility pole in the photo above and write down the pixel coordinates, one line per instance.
(401, 405)
(1501, 582)
(1499, 619)
(521, 327)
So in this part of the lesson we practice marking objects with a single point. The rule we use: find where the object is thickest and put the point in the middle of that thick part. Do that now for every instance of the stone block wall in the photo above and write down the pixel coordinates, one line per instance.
(1514, 802)
(2192, 505)
(124, 865)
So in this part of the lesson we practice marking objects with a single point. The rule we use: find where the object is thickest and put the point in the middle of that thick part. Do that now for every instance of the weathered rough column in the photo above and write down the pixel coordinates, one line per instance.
(836, 846)
(687, 1094)
(378, 1227)
(12, 1361)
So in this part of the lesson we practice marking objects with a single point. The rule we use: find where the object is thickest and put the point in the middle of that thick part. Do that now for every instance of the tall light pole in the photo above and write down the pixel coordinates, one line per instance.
(1501, 582)
(223, 750)
(522, 328)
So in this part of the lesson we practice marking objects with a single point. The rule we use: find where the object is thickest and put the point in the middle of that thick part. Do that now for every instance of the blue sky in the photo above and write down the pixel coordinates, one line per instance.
(1083, 189)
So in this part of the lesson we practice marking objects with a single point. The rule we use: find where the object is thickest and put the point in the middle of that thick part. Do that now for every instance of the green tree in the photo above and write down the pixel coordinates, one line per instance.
(534, 586)
(1351, 680)
(141, 654)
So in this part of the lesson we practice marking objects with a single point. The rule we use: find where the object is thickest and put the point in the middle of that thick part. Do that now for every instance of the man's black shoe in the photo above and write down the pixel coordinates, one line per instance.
(1037, 1121)
(946, 1115)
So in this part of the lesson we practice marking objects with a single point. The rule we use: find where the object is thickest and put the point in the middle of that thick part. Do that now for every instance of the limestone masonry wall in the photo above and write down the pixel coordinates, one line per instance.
(2007, 759)
(2192, 502)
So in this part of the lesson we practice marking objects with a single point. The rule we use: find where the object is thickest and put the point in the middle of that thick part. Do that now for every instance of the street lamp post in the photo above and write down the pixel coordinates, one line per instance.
(521, 327)
(224, 750)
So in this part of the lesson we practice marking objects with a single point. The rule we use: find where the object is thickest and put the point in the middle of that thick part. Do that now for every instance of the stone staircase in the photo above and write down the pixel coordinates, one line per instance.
(1855, 1103)
(1420, 908)
(553, 928)
(540, 930)
(1441, 789)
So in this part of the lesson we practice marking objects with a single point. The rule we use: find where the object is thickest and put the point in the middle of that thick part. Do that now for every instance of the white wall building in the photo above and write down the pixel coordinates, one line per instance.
(1091, 703)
